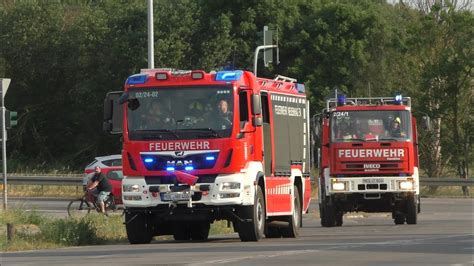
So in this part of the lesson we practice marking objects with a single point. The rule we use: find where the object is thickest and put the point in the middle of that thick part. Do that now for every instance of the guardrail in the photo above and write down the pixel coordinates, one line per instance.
(76, 180)
(58, 180)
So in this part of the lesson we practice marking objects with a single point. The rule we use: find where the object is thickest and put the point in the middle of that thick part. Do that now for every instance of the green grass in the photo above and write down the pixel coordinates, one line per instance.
(446, 191)
(44, 191)
(36, 231)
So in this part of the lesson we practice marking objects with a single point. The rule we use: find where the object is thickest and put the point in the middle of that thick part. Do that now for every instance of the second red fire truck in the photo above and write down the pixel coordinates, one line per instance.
(200, 147)
(368, 159)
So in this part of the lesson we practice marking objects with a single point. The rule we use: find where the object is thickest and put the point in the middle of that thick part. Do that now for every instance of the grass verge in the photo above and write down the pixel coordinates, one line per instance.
(36, 231)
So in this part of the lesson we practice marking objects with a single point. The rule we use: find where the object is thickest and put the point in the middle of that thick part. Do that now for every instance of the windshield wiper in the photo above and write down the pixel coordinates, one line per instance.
(392, 139)
(155, 133)
(208, 129)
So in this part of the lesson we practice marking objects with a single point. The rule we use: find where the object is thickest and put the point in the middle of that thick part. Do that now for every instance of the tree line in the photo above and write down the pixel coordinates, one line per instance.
(64, 56)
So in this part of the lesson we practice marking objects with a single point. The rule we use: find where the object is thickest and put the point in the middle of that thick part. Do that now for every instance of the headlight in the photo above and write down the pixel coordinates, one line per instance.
(339, 186)
(406, 185)
(131, 188)
(230, 185)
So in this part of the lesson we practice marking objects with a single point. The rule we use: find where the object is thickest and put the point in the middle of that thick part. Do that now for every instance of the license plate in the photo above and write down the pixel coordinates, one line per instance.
(176, 196)
(372, 180)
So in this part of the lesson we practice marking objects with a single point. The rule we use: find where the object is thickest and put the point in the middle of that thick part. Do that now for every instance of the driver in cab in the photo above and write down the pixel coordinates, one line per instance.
(225, 116)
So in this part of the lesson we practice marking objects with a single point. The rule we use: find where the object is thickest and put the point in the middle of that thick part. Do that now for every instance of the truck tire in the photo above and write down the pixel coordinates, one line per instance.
(273, 232)
(138, 229)
(295, 219)
(339, 218)
(328, 218)
(399, 218)
(254, 229)
(199, 230)
(181, 231)
(411, 209)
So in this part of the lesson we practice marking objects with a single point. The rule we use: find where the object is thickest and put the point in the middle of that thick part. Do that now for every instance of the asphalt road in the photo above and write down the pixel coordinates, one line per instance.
(443, 236)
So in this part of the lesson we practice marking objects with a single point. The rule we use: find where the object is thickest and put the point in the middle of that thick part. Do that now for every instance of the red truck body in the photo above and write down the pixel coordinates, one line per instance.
(368, 159)
(251, 168)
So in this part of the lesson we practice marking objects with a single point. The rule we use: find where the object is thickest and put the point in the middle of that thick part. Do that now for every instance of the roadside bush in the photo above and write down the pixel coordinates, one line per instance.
(70, 232)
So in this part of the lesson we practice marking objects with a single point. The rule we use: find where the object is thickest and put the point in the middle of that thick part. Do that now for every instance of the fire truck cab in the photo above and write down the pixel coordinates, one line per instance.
(200, 147)
(368, 159)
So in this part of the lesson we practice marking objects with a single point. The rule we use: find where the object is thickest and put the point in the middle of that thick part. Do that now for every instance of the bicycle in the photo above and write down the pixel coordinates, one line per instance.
(82, 206)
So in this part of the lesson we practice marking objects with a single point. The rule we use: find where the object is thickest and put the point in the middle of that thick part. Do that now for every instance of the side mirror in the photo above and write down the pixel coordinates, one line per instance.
(113, 113)
(256, 104)
(426, 123)
(316, 126)
(108, 111)
(124, 98)
(107, 126)
(257, 121)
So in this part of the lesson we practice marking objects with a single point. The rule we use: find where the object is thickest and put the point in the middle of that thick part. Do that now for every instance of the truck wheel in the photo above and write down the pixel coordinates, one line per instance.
(138, 229)
(329, 215)
(253, 230)
(411, 209)
(273, 232)
(295, 219)
(181, 231)
(199, 230)
(399, 218)
(339, 218)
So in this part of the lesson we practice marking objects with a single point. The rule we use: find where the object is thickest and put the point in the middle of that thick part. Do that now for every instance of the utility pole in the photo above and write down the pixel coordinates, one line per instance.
(151, 41)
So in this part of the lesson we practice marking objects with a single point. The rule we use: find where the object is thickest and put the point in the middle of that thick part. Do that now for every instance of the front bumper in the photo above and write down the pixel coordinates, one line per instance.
(218, 193)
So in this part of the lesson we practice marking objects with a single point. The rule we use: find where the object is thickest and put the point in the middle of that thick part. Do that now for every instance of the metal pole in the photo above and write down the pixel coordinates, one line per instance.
(256, 56)
(4, 158)
(151, 52)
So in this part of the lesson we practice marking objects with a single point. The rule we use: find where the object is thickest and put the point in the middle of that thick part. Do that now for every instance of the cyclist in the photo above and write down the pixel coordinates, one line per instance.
(103, 186)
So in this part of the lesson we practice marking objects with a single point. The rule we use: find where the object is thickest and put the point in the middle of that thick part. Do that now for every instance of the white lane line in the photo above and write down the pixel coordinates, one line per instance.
(279, 254)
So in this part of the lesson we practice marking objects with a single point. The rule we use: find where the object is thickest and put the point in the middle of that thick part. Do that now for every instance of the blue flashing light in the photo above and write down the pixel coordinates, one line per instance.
(189, 168)
(210, 158)
(148, 160)
(341, 99)
(300, 88)
(137, 79)
(170, 168)
(229, 75)
(398, 99)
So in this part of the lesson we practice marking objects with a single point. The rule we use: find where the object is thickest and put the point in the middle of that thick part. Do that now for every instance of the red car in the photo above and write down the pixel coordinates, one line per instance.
(111, 166)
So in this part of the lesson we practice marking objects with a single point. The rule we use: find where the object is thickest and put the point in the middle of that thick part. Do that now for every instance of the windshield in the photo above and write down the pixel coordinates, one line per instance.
(370, 126)
(180, 113)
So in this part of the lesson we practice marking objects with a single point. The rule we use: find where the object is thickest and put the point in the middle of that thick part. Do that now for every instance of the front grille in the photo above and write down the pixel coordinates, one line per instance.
(196, 161)
(379, 166)
(158, 180)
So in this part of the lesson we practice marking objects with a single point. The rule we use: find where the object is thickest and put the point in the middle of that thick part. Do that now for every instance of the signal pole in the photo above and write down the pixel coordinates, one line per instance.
(4, 83)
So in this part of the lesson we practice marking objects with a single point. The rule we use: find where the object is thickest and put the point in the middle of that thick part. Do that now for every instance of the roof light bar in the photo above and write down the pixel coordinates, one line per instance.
(229, 75)
(137, 79)
(341, 100)
(398, 99)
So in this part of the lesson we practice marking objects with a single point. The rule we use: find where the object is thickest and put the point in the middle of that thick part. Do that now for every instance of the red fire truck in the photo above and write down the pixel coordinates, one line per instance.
(368, 159)
(200, 147)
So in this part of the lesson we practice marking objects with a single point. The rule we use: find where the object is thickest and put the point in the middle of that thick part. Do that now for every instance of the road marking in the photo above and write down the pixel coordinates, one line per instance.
(279, 254)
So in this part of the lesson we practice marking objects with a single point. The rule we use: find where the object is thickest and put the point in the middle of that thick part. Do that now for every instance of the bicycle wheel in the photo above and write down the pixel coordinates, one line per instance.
(78, 208)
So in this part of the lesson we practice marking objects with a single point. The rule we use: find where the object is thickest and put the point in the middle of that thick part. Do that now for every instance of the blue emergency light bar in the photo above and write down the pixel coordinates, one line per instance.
(398, 99)
(137, 79)
(229, 75)
(170, 168)
(189, 168)
(148, 160)
(341, 100)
